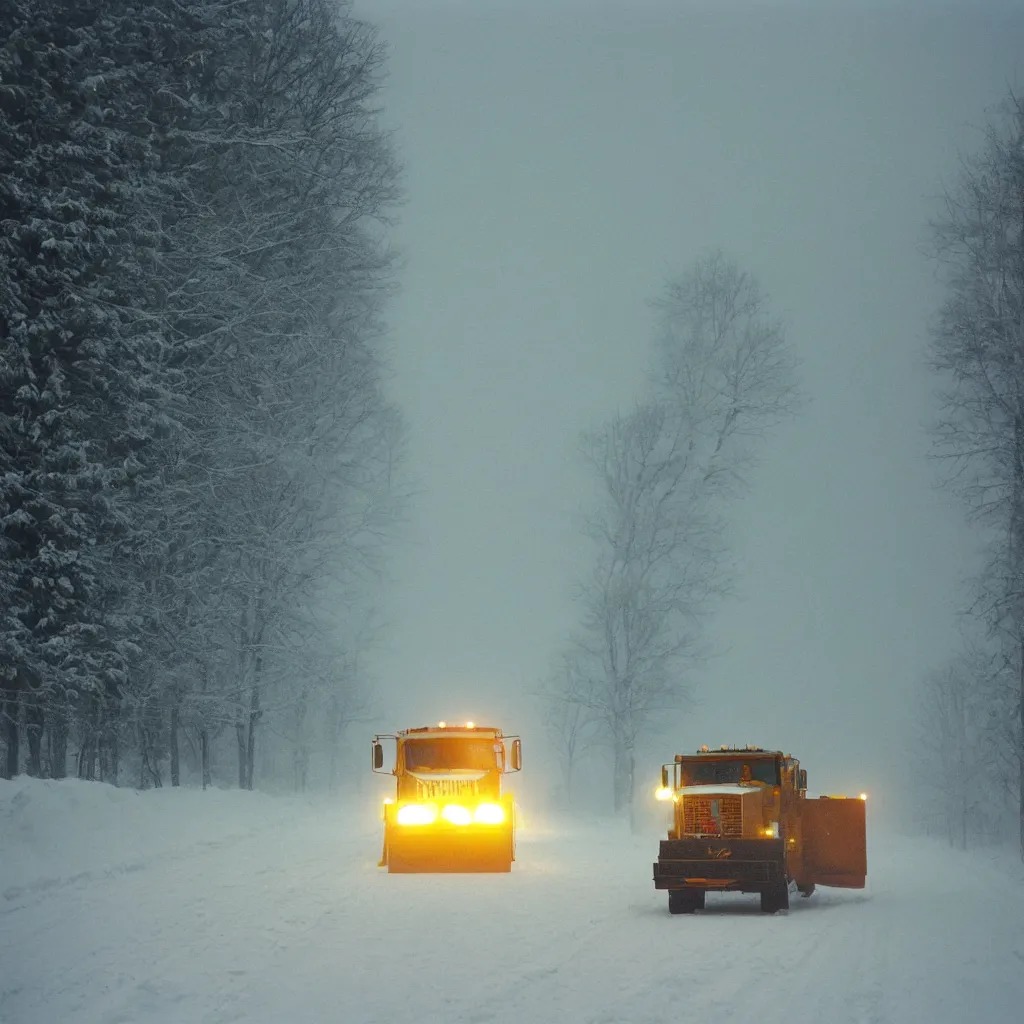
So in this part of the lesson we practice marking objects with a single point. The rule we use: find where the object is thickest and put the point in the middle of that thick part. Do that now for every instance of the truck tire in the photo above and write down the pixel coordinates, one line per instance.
(775, 899)
(685, 901)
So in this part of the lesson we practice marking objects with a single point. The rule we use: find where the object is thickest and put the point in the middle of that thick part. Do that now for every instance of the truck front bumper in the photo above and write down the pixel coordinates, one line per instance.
(730, 865)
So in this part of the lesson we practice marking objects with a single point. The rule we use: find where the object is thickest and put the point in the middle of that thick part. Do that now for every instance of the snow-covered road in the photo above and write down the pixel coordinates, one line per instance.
(276, 912)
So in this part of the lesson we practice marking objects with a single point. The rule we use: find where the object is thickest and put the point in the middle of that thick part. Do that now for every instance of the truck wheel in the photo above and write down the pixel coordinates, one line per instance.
(775, 899)
(805, 890)
(685, 901)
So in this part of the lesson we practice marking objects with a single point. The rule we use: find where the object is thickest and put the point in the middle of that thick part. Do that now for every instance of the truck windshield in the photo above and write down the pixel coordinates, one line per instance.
(730, 771)
(450, 754)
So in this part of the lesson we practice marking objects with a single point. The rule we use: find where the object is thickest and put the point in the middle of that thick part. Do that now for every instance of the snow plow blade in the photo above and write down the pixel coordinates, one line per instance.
(743, 865)
(443, 852)
(835, 842)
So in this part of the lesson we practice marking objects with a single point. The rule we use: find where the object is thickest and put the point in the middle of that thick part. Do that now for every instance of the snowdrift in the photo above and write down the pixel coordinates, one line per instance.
(53, 833)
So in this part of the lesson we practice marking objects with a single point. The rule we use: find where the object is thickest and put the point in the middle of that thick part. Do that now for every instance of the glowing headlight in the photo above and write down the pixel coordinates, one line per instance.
(863, 796)
(456, 815)
(489, 814)
(772, 830)
(417, 814)
(663, 793)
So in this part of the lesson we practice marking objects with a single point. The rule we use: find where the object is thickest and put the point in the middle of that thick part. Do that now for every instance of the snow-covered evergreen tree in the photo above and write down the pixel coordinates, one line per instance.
(193, 437)
(75, 381)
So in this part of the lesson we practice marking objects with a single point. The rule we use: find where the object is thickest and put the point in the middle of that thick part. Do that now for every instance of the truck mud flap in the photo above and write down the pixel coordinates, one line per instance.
(739, 862)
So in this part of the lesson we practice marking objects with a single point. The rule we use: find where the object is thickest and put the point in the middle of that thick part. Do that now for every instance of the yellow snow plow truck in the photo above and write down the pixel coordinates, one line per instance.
(449, 812)
(742, 822)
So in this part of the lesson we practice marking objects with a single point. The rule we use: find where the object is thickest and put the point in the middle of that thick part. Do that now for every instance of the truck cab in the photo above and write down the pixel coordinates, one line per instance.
(450, 811)
(742, 822)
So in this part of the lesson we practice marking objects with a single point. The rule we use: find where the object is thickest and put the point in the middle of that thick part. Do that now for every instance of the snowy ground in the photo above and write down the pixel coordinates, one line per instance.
(179, 906)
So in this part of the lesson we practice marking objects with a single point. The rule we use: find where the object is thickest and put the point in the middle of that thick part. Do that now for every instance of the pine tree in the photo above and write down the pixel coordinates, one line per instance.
(74, 364)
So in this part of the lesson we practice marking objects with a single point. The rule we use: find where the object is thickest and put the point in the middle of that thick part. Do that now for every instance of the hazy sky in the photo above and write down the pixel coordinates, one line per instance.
(562, 160)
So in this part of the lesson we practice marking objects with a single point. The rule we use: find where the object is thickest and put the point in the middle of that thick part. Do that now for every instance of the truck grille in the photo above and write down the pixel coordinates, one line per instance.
(712, 816)
(446, 788)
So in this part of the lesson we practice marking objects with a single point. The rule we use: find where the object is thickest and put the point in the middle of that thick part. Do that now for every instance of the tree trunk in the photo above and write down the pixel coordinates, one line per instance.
(300, 769)
(1020, 752)
(300, 745)
(242, 749)
(204, 742)
(93, 750)
(115, 757)
(34, 729)
(107, 751)
(85, 759)
(332, 777)
(1017, 576)
(568, 761)
(149, 766)
(58, 733)
(254, 717)
(963, 821)
(175, 761)
(250, 753)
(9, 719)
(621, 782)
(204, 734)
(632, 793)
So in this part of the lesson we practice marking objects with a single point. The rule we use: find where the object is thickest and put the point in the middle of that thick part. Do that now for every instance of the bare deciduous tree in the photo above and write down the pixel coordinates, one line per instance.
(569, 720)
(722, 374)
(956, 760)
(978, 349)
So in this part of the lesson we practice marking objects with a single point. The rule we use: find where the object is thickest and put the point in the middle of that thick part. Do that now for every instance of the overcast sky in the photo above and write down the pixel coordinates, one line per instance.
(562, 159)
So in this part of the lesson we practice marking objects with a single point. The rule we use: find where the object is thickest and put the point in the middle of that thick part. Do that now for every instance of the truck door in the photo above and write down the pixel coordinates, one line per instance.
(835, 842)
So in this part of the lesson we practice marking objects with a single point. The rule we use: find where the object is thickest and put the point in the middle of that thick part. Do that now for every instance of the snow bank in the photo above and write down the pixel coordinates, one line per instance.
(57, 832)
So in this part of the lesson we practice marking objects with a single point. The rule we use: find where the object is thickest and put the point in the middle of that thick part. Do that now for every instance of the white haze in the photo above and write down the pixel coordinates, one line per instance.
(563, 160)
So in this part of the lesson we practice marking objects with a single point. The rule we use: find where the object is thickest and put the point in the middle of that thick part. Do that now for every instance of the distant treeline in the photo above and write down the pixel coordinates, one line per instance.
(197, 462)
(970, 757)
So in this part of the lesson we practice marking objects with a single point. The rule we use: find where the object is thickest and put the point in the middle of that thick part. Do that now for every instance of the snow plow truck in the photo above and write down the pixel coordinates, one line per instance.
(742, 822)
(449, 812)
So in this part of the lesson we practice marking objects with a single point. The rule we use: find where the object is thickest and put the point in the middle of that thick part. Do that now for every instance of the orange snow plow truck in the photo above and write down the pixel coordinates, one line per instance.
(742, 822)
(449, 812)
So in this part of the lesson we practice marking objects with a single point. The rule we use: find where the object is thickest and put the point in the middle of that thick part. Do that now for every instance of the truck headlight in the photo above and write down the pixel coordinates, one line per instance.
(663, 793)
(456, 815)
(489, 814)
(771, 831)
(416, 814)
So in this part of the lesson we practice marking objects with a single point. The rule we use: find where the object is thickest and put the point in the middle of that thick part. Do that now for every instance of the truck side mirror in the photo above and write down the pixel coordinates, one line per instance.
(664, 777)
(803, 779)
(517, 755)
(378, 757)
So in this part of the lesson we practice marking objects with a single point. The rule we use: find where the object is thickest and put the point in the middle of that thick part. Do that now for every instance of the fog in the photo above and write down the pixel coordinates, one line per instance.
(561, 162)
